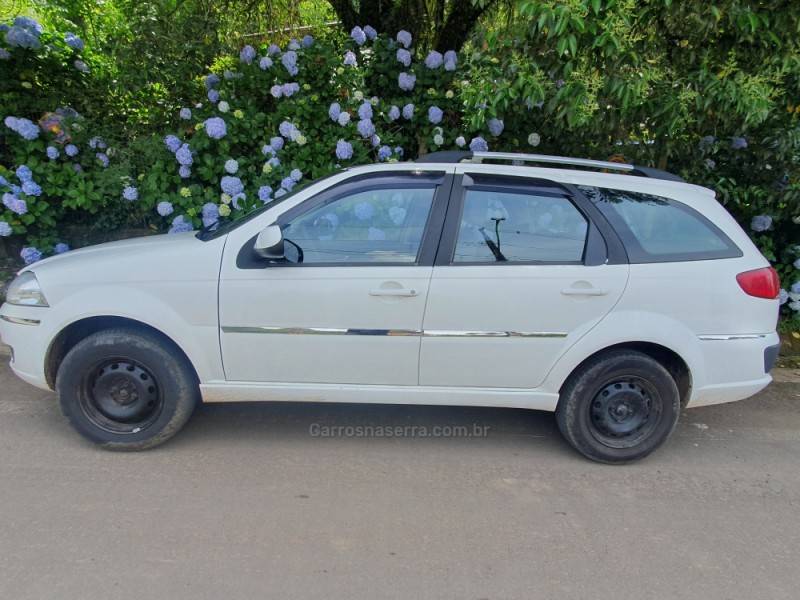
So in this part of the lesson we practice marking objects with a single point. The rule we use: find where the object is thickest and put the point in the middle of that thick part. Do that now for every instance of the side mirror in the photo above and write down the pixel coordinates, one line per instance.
(269, 243)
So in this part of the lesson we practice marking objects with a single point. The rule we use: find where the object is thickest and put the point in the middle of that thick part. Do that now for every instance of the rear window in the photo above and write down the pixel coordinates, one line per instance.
(658, 229)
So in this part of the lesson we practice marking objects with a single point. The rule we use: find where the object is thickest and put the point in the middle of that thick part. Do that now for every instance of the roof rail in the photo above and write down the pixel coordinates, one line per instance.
(458, 156)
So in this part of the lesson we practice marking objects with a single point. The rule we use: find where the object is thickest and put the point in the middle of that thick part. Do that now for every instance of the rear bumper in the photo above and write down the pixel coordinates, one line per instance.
(736, 367)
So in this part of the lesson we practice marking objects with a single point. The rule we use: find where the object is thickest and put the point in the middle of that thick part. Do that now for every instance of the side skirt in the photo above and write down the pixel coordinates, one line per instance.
(231, 391)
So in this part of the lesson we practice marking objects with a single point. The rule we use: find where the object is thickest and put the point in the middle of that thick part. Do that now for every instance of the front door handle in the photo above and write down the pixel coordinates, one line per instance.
(584, 292)
(394, 292)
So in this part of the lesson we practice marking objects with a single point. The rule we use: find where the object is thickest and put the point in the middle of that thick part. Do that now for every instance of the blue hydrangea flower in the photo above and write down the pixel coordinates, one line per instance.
(394, 113)
(30, 255)
(268, 150)
(184, 155)
(3, 181)
(231, 166)
(496, 127)
(31, 188)
(247, 54)
(26, 128)
(215, 128)
(5, 229)
(350, 59)
(28, 23)
(375, 140)
(231, 185)
(365, 111)
(213, 96)
(450, 60)
(165, 208)
(73, 41)
(290, 89)
(81, 66)
(276, 91)
(264, 193)
(403, 57)
(796, 264)
(435, 115)
(288, 183)
(369, 30)
(795, 289)
(24, 173)
(265, 63)
(185, 172)
(180, 225)
(738, 143)
(130, 193)
(478, 144)
(434, 59)
(358, 35)
(4, 54)
(384, 153)
(287, 129)
(761, 223)
(307, 41)
(296, 175)
(274, 162)
(277, 143)
(344, 118)
(16, 205)
(211, 81)
(61, 248)
(334, 111)
(21, 37)
(71, 150)
(210, 214)
(293, 44)
(406, 81)
(103, 158)
(408, 111)
(273, 49)
(172, 143)
(185, 114)
(93, 142)
(344, 150)
(460, 141)
(366, 128)
(399, 150)
(289, 61)
(404, 38)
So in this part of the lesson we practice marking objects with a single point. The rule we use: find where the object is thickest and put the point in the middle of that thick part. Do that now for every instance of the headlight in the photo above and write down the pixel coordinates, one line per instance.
(25, 291)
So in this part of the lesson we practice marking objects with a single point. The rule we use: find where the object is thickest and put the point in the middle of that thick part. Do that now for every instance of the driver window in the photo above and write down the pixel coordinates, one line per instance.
(371, 226)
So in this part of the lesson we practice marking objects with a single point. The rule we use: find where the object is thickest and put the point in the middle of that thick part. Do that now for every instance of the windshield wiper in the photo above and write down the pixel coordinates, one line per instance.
(495, 249)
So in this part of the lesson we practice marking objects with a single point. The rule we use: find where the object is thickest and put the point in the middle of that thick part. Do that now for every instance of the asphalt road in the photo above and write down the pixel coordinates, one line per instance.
(246, 503)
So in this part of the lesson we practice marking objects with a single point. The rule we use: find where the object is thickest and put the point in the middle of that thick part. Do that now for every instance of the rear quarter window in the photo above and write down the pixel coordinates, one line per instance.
(659, 229)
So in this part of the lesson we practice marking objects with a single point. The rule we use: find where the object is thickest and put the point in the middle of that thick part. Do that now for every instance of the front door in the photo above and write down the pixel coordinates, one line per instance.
(522, 273)
(347, 304)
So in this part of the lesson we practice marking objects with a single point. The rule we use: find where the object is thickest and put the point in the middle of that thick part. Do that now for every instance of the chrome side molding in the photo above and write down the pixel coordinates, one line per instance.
(439, 333)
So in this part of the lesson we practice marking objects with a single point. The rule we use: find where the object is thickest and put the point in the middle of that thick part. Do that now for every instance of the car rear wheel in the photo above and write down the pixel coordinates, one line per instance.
(618, 407)
(126, 389)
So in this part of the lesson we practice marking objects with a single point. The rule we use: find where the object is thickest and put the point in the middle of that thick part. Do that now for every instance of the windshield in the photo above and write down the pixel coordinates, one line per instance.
(227, 224)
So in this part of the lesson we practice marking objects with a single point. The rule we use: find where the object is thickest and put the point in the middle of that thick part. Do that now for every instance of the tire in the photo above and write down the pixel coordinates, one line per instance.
(618, 407)
(126, 389)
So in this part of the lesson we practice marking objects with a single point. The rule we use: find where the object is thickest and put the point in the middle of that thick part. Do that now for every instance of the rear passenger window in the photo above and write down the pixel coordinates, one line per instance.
(657, 229)
(514, 226)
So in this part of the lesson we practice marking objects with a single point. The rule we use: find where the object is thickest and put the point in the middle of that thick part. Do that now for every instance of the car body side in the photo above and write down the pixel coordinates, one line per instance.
(692, 310)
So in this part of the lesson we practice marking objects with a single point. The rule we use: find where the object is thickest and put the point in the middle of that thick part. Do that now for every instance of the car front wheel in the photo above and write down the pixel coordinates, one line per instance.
(618, 407)
(126, 389)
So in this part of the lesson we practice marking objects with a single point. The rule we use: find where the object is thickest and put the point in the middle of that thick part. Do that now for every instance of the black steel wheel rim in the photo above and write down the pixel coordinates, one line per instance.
(624, 412)
(121, 395)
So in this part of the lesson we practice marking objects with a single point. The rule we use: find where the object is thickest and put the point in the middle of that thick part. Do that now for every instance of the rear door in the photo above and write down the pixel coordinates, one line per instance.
(524, 269)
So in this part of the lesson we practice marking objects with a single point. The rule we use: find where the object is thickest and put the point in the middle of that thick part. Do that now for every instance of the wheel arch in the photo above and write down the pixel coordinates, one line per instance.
(667, 357)
(78, 330)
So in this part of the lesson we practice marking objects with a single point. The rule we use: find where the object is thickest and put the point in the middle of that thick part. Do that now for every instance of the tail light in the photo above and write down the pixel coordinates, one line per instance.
(761, 283)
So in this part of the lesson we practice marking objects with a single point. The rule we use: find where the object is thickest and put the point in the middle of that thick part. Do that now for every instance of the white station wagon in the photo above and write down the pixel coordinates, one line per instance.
(611, 294)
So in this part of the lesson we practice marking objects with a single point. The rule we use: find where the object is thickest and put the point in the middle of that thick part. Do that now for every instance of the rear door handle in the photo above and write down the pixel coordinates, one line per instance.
(584, 292)
(397, 293)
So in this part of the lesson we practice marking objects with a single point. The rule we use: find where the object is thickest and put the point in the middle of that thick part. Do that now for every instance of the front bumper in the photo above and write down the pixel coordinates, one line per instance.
(21, 328)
